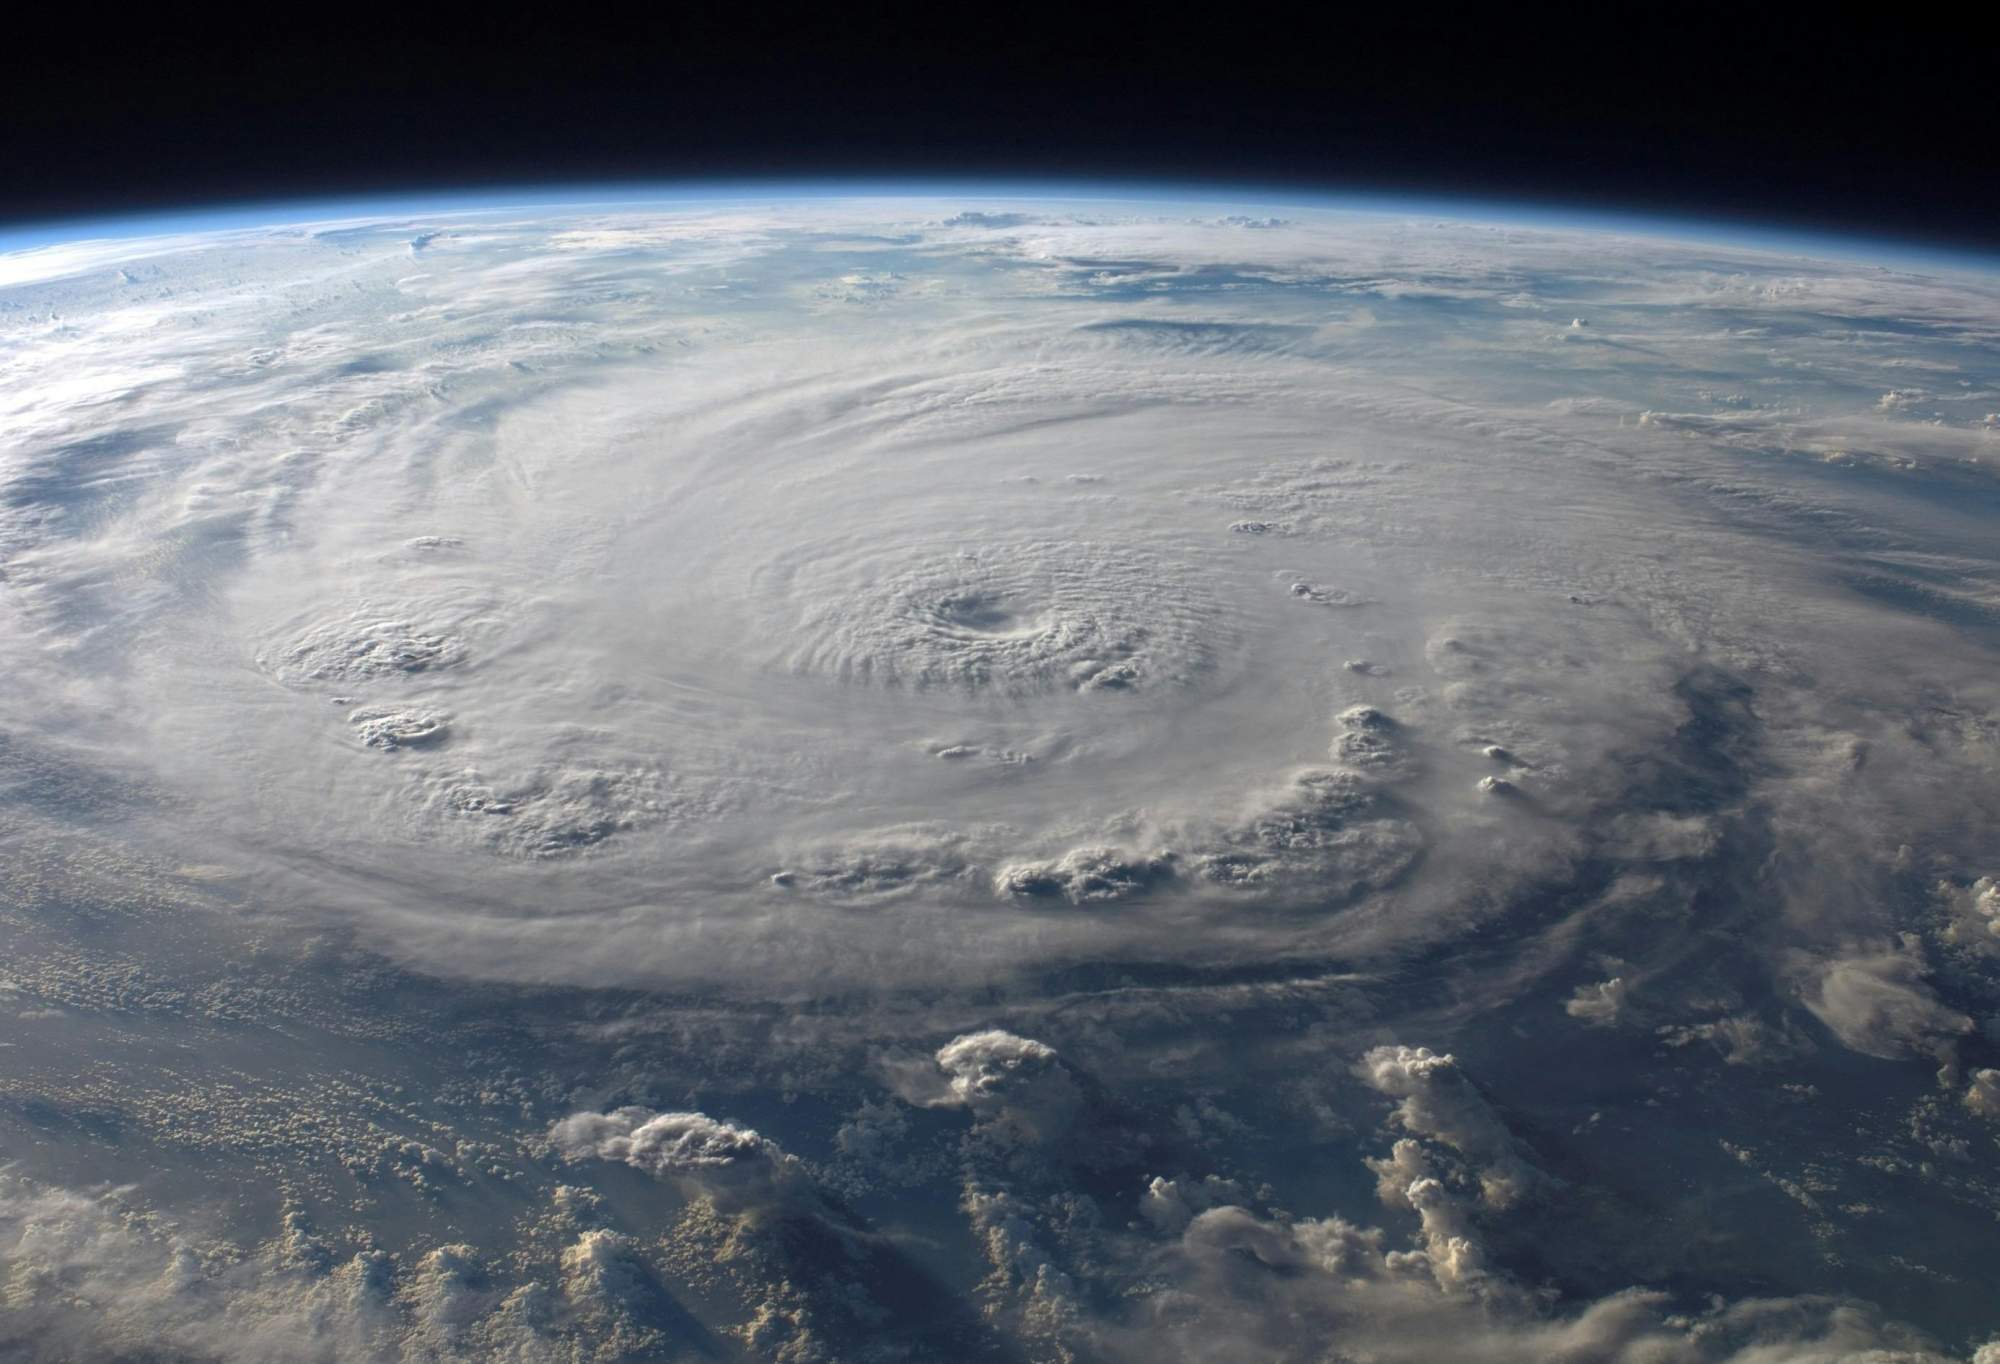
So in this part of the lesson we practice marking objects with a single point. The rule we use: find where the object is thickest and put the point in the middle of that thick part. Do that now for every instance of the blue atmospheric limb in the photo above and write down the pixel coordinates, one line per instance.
(1157, 195)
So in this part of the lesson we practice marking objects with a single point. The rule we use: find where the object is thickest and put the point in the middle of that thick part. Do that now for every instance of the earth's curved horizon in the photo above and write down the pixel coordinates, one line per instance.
(956, 775)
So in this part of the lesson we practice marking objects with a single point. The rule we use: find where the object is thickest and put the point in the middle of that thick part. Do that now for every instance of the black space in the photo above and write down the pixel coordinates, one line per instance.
(1868, 124)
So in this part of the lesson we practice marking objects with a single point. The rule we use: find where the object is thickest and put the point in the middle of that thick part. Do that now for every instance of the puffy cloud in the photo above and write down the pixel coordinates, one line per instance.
(1439, 1102)
(1743, 1040)
(730, 1163)
(1168, 1205)
(1879, 1004)
(1982, 1093)
(804, 1271)
(1972, 915)
(389, 729)
(1238, 1284)
(89, 1276)
(660, 1143)
(1325, 836)
(1371, 741)
(1598, 1005)
(1027, 1288)
(1229, 1230)
(1024, 1214)
(610, 1289)
(449, 1292)
(1012, 1083)
(1084, 876)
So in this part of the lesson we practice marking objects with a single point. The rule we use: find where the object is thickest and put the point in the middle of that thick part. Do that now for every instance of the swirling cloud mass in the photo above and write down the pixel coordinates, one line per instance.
(864, 779)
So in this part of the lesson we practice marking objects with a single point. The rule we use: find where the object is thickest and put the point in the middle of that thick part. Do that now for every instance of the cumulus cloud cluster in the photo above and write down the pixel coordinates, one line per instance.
(1009, 1081)
(92, 1277)
(661, 1143)
(1438, 1103)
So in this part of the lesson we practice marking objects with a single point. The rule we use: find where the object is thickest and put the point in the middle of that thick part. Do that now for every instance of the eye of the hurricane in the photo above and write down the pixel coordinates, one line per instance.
(1011, 617)
(985, 614)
